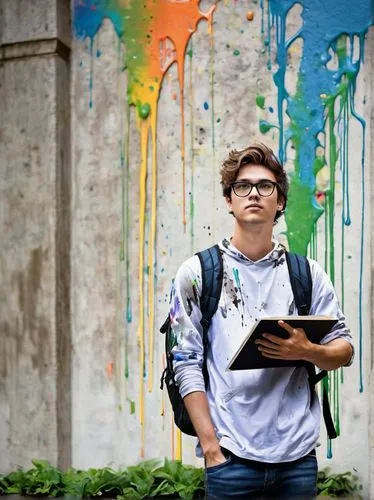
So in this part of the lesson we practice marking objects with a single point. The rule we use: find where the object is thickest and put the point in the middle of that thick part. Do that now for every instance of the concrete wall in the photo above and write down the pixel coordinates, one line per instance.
(117, 250)
(35, 229)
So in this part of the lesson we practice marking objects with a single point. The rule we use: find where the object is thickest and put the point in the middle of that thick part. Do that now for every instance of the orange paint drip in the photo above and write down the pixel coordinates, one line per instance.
(175, 22)
(109, 370)
(181, 20)
(184, 219)
(171, 24)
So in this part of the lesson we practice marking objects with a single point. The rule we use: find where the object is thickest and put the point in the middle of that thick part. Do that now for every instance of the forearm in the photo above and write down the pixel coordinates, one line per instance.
(197, 406)
(330, 356)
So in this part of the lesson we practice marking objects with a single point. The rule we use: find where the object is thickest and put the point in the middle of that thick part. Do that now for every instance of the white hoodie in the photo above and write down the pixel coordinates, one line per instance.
(262, 414)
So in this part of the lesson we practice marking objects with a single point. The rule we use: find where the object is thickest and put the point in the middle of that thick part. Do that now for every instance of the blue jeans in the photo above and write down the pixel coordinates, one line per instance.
(246, 479)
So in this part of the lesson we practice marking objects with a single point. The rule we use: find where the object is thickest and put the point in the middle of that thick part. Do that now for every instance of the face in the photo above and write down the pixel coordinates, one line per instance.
(254, 209)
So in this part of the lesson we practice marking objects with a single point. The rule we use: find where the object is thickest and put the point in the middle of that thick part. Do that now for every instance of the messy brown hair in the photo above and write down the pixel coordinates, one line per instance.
(256, 154)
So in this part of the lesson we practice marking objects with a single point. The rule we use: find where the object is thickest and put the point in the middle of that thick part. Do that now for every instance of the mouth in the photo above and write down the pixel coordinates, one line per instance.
(253, 205)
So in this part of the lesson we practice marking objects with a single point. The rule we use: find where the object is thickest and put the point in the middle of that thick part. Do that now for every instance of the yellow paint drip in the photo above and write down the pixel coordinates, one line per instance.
(178, 453)
(172, 438)
(144, 128)
(152, 241)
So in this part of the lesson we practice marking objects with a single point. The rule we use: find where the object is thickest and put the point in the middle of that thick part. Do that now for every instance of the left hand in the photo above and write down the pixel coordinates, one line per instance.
(296, 347)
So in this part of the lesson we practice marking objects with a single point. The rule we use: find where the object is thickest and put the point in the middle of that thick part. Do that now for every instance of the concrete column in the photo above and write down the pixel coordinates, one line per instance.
(35, 233)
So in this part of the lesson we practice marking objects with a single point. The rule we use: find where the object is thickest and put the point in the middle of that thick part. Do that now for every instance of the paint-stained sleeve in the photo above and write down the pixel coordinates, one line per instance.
(185, 317)
(325, 303)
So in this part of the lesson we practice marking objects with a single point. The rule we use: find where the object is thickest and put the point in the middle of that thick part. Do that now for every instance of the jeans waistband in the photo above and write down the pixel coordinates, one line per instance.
(228, 453)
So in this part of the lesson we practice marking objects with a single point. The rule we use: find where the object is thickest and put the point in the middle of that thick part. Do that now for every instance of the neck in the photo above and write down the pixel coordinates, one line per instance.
(254, 243)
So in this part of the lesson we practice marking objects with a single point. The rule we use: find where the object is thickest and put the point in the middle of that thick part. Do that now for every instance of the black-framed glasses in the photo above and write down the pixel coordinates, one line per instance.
(244, 188)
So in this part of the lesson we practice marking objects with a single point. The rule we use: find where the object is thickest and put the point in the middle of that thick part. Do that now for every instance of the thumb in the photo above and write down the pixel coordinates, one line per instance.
(286, 327)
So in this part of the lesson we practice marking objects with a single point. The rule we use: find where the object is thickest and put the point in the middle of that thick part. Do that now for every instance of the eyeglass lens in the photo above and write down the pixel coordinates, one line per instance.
(264, 188)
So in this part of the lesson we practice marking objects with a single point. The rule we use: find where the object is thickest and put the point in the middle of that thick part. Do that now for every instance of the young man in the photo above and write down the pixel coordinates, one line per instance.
(257, 429)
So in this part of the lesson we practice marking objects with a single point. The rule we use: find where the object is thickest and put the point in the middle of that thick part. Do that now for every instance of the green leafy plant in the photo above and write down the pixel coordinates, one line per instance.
(147, 480)
(43, 479)
(338, 485)
(185, 480)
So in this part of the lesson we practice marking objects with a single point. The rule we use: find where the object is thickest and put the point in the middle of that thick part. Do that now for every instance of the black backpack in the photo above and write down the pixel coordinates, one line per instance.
(212, 274)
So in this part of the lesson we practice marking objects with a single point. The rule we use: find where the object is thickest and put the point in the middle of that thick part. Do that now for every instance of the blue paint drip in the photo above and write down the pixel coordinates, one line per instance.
(91, 71)
(206, 105)
(361, 286)
(319, 34)
(87, 20)
(236, 276)
(128, 311)
(89, 16)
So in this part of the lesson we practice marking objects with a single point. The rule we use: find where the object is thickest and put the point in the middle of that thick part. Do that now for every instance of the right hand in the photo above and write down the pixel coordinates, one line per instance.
(214, 457)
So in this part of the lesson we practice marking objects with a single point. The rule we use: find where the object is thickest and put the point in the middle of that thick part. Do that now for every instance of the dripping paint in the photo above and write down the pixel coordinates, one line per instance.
(156, 35)
(323, 104)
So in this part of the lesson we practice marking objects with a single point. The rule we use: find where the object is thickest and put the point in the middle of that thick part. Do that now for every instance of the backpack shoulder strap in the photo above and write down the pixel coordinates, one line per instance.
(211, 277)
(211, 285)
(301, 282)
(302, 285)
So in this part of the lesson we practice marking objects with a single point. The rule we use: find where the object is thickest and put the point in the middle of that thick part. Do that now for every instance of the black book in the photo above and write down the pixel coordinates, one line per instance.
(249, 357)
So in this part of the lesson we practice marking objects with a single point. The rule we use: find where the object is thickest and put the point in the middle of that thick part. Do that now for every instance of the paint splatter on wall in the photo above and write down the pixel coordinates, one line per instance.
(155, 35)
(319, 113)
(314, 120)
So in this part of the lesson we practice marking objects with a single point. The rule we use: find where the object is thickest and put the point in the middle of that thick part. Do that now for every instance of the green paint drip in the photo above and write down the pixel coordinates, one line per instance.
(331, 192)
(126, 210)
(301, 217)
(336, 398)
(132, 406)
(325, 383)
(265, 126)
(236, 52)
(260, 101)
(143, 110)
(192, 150)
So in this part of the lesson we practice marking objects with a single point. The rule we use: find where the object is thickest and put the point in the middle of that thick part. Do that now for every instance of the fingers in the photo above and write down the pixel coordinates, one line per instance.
(269, 349)
(270, 339)
(269, 345)
(286, 327)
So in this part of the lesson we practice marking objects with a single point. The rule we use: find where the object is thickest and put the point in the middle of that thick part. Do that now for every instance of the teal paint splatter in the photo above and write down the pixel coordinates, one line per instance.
(236, 276)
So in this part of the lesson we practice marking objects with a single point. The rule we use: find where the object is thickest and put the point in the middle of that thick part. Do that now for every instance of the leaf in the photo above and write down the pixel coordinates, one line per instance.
(164, 488)
(130, 493)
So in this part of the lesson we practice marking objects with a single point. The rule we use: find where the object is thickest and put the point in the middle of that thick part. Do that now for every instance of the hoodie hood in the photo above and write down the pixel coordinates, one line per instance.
(274, 255)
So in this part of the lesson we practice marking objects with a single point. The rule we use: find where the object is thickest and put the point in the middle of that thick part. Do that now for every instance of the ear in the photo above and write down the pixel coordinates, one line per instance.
(280, 203)
(228, 203)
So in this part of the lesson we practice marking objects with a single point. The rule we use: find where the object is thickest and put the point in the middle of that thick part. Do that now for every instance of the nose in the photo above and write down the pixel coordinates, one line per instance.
(254, 194)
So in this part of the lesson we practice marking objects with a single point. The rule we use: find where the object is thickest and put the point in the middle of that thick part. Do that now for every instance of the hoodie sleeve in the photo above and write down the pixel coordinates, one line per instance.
(185, 317)
(325, 303)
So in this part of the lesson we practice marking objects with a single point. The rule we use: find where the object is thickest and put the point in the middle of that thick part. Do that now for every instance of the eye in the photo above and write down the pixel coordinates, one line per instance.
(265, 185)
(243, 187)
